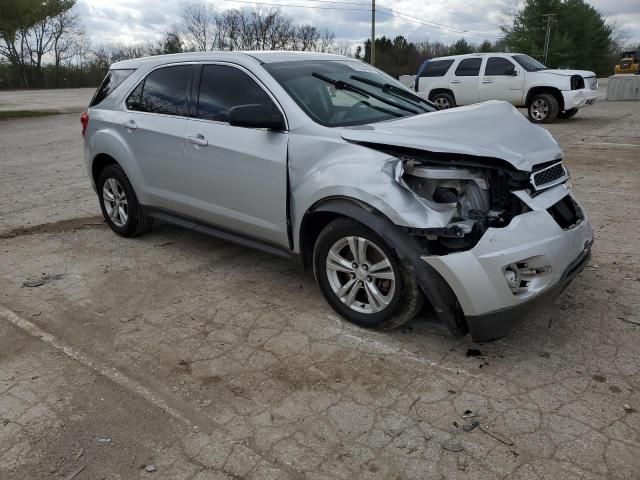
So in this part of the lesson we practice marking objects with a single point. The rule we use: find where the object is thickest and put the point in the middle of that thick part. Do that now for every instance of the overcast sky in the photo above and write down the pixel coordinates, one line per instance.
(109, 21)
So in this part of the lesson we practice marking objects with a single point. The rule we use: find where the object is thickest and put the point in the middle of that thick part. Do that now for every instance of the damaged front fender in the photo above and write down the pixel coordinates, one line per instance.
(340, 169)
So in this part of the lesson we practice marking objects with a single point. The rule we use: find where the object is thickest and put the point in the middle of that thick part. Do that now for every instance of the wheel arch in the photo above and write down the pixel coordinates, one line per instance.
(99, 163)
(436, 91)
(404, 245)
(545, 89)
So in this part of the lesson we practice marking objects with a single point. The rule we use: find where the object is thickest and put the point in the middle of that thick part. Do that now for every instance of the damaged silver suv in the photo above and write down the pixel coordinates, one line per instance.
(392, 203)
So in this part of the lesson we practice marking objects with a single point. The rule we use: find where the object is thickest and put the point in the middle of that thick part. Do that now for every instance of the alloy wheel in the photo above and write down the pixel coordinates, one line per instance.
(360, 274)
(115, 202)
(539, 109)
(442, 102)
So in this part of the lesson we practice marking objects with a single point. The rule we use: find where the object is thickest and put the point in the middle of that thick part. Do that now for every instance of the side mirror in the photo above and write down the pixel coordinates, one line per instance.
(255, 116)
(512, 71)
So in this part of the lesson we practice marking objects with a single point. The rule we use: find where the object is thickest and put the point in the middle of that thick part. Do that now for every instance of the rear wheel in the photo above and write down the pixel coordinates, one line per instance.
(443, 100)
(119, 204)
(568, 113)
(361, 278)
(543, 108)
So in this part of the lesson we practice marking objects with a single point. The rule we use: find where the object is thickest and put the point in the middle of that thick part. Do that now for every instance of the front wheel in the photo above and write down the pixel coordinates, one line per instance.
(543, 108)
(361, 278)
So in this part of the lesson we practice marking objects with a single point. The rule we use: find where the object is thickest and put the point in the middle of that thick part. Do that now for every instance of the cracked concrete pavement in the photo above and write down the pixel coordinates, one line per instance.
(208, 360)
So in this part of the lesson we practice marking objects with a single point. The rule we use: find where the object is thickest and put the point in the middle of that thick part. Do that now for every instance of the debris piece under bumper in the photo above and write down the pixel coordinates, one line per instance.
(514, 270)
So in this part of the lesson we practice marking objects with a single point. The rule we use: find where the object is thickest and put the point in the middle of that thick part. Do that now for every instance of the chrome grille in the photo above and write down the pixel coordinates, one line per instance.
(549, 176)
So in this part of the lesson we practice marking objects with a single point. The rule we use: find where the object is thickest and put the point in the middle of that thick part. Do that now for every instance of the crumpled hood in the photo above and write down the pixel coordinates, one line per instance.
(568, 73)
(491, 129)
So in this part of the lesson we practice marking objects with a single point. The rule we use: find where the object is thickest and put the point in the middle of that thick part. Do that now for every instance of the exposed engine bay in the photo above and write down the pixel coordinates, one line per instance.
(479, 198)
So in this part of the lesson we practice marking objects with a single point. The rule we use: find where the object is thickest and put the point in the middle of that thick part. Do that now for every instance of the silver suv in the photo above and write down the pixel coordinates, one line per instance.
(325, 159)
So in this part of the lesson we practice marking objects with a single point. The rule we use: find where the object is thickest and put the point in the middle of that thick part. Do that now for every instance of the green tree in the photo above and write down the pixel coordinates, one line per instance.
(580, 36)
(461, 47)
(486, 47)
(28, 32)
(172, 43)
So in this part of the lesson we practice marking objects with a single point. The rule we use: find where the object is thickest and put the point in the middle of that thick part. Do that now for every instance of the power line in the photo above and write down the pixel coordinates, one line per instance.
(422, 21)
(317, 7)
(383, 10)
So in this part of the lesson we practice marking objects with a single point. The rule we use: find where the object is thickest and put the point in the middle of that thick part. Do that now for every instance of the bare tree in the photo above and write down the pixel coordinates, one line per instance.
(198, 25)
(249, 29)
(68, 34)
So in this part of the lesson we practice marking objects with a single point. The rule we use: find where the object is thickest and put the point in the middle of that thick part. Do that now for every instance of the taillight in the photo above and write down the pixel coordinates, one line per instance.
(84, 120)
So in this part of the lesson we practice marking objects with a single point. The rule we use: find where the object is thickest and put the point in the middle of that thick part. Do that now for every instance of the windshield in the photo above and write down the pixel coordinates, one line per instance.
(528, 63)
(336, 93)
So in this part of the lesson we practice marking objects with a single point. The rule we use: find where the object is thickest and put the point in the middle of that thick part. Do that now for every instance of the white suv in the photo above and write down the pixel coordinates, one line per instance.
(512, 77)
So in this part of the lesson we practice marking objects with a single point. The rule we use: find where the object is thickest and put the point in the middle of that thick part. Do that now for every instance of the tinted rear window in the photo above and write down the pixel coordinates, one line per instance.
(163, 91)
(469, 67)
(109, 84)
(436, 68)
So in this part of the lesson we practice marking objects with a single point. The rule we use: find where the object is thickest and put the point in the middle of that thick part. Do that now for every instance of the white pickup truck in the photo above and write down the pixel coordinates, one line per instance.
(512, 77)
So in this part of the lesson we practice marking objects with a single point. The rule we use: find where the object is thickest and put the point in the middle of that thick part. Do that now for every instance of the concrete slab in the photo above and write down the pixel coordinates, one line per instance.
(624, 87)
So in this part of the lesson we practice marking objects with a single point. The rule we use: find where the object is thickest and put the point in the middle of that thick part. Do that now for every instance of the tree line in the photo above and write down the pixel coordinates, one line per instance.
(43, 43)
(399, 56)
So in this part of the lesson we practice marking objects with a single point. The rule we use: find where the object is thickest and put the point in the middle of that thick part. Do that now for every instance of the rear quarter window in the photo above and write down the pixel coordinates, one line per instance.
(436, 68)
(110, 83)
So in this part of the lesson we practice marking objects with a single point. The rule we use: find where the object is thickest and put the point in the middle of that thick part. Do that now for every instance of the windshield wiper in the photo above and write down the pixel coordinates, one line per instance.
(342, 85)
(393, 90)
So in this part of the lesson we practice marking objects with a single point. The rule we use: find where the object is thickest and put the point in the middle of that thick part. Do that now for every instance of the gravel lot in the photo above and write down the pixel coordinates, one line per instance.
(184, 357)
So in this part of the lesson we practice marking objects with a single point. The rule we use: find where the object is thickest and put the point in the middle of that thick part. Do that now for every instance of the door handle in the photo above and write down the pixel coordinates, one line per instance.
(130, 125)
(198, 140)
(487, 80)
(455, 81)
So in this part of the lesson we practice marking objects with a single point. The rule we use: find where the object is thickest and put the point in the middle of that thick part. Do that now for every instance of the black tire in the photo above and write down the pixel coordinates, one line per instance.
(444, 100)
(407, 298)
(136, 222)
(543, 108)
(568, 113)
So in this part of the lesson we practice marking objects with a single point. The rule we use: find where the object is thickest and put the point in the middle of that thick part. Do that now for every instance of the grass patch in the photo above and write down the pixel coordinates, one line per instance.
(6, 115)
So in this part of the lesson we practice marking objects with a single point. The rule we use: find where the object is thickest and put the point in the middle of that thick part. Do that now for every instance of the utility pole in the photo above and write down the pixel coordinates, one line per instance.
(373, 32)
(547, 37)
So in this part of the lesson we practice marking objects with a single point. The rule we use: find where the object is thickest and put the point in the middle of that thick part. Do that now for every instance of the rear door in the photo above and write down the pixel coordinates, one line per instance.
(153, 125)
(465, 80)
(502, 80)
(237, 176)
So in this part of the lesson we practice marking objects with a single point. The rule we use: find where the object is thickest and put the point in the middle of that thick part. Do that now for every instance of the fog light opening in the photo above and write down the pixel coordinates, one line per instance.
(525, 275)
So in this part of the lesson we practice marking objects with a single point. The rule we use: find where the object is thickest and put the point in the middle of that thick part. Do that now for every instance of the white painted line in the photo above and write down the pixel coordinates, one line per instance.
(109, 372)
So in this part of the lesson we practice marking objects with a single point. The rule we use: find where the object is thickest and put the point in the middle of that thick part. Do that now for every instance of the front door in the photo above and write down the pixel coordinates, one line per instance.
(502, 80)
(237, 176)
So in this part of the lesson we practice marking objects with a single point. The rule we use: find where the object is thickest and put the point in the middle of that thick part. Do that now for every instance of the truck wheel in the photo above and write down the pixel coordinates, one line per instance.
(543, 108)
(568, 113)
(443, 100)
(361, 277)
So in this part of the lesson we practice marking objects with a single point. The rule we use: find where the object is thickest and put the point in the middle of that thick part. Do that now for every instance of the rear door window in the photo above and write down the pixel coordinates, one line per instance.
(163, 91)
(436, 68)
(469, 67)
(498, 66)
(110, 83)
(223, 87)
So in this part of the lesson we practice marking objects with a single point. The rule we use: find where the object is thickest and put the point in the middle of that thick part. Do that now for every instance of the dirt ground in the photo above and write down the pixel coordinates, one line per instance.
(178, 356)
